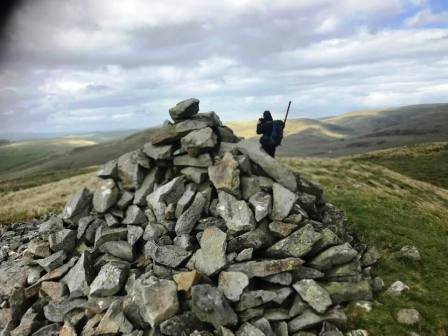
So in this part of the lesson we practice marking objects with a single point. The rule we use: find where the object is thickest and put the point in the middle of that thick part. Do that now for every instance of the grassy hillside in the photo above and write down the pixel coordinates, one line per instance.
(23, 153)
(425, 162)
(390, 210)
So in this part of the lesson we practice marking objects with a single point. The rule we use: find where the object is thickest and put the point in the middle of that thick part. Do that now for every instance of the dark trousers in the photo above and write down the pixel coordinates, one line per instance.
(269, 149)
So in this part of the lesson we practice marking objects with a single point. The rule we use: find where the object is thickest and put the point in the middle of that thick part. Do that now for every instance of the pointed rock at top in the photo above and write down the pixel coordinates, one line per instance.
(184, 109)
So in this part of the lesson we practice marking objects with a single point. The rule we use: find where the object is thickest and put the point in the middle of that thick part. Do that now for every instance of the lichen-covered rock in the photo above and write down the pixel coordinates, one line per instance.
(105, 196)
(199, 141)
(211, 257)
(316, 296)
(237, 214)
(232, 284)
(109, 280)
(262, 204)
(284, 200)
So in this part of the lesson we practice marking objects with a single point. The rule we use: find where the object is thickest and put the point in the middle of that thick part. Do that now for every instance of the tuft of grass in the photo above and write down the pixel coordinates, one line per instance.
(390, 210)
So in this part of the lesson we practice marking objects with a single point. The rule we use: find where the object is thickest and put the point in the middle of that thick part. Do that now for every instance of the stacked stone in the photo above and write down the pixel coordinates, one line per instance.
(197, 233)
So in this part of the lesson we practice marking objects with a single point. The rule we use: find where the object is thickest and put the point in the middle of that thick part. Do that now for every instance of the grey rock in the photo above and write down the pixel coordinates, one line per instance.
(156, 299)
(283, 203)
(297, 244)
(34, 274)
(370, 257)
(199, 141)
(316, 296)
(134, 216)
(211, 257)
(202, 161)
(130, 173)
(109, 280)
(125, 200)
(158, 152)
(270, 166)
(256, 239)
(335, 255)
(184, 241)
(114, 321)
(309, 319)
(245, 254)
(328, 239)
(119, 249)
(232, 284)
(170, 255)
(106, 234)
(49, 330)
(352, 268)
(166, 194)
(282, 230)
(276, 314)
(78, 206)
(52, 225)
(281, 294)
(80, 276)
(135, 232)
(265, 268)
(408, 316)
(108, 170)
(305, 272)
(397, 288)
(184, 109)
(377, 284)
(105, 196)
(186, 126)
(298, 306)
(264, 325)
(284, 278)
(111, 221)
(262, 204)
(249, 186)
(154, 231)
(53, 261)
(248, 329)
(187, 220)
(251, 314)
(56, 311)
(165, 135)
(39, 248)
(254, 299)
(237, 214)
(62, 240)
(147, 186)
(186, 199)
(210, 306)
(183, 324)
(348, 291)
(409, 252)
(226, 134)
(194, 174)
(225, 175)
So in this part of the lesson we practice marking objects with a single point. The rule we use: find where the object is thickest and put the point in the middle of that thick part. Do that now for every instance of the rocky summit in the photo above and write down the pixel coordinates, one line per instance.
(197, 233)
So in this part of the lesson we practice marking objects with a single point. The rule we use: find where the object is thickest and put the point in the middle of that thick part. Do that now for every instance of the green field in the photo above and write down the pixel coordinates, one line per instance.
(389, 210)
(427, 163)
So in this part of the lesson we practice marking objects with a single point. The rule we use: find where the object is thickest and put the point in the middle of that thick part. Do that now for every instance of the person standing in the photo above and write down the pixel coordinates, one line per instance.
(272, 133)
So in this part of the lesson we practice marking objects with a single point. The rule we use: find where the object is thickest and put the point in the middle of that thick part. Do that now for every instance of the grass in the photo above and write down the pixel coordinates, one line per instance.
(390, 210)
(427, 162)
(24, 200)
(23, 153)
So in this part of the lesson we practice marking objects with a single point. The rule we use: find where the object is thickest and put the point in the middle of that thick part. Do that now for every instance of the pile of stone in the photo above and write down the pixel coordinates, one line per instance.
(197, 233)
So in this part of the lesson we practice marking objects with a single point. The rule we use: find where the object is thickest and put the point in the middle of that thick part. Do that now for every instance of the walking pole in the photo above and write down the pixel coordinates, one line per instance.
(287, 112)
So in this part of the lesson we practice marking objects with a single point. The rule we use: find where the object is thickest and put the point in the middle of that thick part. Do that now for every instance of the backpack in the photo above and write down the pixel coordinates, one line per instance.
(277, 132)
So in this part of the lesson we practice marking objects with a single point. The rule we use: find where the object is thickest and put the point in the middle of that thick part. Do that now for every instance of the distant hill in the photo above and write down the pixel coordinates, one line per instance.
(89, 154)
(4, 142)
(351, 133)
(360, 132)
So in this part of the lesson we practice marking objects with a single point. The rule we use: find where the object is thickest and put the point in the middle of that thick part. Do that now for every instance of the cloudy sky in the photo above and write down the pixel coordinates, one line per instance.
(82, 65)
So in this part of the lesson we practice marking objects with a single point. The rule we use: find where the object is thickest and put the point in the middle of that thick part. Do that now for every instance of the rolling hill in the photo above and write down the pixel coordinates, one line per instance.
(351, 133)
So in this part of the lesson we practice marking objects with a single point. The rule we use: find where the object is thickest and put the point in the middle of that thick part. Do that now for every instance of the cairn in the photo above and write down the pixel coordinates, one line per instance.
(196, 233)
